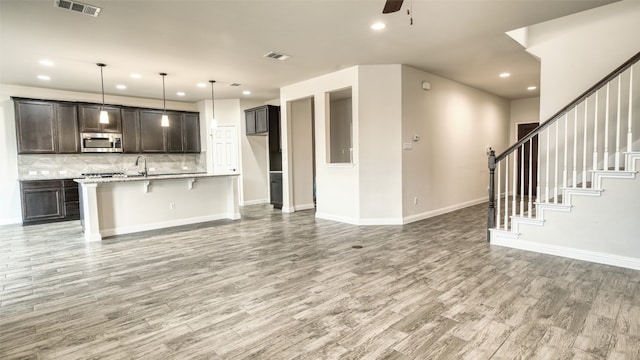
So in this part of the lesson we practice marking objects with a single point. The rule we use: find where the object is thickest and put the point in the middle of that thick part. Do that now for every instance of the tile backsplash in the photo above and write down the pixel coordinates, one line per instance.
(59, 166)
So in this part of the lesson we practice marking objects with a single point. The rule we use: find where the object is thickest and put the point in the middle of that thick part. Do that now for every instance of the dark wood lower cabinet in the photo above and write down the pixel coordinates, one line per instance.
(275, 183)
(49, 200)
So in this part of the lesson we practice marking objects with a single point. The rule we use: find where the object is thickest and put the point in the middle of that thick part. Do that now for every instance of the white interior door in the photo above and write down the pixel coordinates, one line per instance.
(225, 149)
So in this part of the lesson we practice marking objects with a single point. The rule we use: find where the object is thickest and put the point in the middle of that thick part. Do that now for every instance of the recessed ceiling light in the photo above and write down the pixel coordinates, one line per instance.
(121, 87)
(135, 76)
(46, 62)
(531, 88)
(246, 92)
(201, 85)
(44, 77)
(378, 26)
(180, 93)
(505, 75)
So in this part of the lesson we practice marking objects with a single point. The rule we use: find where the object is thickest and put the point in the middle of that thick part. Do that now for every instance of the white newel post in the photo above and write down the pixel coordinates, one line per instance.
(618, 119)
(630, 118)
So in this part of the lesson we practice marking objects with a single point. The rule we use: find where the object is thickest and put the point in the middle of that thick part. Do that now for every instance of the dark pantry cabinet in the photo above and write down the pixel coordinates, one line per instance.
(46, 127)
(49, 200)
(275, 187)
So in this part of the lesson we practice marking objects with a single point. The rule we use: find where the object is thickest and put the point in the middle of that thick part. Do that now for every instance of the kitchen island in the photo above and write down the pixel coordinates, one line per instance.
(122, 205)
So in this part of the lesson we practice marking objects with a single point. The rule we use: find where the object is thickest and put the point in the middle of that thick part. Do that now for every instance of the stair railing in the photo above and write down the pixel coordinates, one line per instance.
(583, 137)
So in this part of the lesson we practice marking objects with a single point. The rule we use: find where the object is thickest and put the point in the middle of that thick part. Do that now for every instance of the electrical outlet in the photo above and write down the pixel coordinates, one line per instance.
(172, 206)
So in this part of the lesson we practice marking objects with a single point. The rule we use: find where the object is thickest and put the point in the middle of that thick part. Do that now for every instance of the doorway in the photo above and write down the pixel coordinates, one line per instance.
(530, 160)
(303, 154)
(224, 151)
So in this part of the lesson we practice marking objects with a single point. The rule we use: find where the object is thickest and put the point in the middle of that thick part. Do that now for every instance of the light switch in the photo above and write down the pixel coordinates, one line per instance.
(407, 146)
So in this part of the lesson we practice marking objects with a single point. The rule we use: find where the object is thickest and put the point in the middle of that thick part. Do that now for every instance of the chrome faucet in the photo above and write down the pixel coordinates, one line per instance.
(143, 172)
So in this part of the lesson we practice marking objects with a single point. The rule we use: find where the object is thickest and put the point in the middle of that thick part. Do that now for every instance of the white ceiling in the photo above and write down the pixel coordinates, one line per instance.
(196, 41)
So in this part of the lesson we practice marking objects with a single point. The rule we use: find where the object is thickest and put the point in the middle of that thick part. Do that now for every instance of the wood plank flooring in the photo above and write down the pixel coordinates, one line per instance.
(289, 286)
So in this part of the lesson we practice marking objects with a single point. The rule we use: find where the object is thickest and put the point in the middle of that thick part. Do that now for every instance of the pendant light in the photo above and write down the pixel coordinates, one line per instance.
(165, 118)
(104, 117)
(213, 107)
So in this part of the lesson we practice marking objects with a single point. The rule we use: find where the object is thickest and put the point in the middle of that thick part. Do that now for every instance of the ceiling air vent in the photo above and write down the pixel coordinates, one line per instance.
(276, 56)
(77, 7)
(234, 84)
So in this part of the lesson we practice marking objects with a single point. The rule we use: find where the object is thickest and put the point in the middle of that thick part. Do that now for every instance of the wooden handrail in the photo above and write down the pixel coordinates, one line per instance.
(627, 64)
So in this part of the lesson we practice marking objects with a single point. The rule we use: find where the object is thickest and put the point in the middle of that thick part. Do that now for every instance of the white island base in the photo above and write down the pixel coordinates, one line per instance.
(116, 206)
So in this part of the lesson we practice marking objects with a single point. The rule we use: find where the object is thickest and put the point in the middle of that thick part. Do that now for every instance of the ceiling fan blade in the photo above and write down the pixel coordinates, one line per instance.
(392, 6)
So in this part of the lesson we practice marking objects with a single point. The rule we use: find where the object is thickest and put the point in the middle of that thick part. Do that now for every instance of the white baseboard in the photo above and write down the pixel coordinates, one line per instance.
(10, 221)
(304, 207)
(166, 224)
(573, 253)
(342, 219)
(255, 202)
(356, 221)
(444, 210)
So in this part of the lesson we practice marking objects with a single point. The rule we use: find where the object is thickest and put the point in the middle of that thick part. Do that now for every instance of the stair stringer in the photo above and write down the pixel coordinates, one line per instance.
(595, 225)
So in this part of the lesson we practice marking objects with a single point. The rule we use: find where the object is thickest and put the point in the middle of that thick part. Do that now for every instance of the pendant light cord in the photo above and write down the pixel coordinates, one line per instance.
(101, 65)
(164, 98)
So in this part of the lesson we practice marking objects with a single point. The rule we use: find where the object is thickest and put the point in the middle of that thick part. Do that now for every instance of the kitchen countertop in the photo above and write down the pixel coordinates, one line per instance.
(149, 177)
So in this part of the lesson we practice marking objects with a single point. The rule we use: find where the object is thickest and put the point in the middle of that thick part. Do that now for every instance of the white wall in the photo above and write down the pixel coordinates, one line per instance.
(10, 211)
(378, 132)
(578, 50)
(447, 168)
(336, 185)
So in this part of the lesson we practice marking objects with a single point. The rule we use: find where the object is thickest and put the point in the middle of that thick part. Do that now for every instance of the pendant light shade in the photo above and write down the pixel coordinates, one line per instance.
(214, 124)
(165, 119)
(104, 117)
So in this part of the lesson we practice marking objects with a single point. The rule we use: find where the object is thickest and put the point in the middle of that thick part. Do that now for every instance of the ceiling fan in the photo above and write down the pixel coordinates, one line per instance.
(392, 6)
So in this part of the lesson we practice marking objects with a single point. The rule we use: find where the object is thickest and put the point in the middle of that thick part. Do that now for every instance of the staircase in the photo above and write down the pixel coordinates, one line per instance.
(584, 200)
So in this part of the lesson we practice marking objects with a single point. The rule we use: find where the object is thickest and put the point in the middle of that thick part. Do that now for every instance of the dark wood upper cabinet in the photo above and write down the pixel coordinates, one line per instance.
(175, 133)
(36, 127)
(51, 127)
(250, 120)
(142, 131)
(191, 133)
(262, 120)
(89, 115)
(152, 134)
(258, 119)
(46, 127)
(130, 130)
(67, 122)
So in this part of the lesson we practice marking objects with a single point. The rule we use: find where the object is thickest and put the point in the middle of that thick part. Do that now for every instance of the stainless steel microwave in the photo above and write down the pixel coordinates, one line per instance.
(101, 142)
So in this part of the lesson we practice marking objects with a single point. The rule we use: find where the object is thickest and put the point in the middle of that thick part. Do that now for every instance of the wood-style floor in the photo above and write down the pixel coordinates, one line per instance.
(288, 286)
